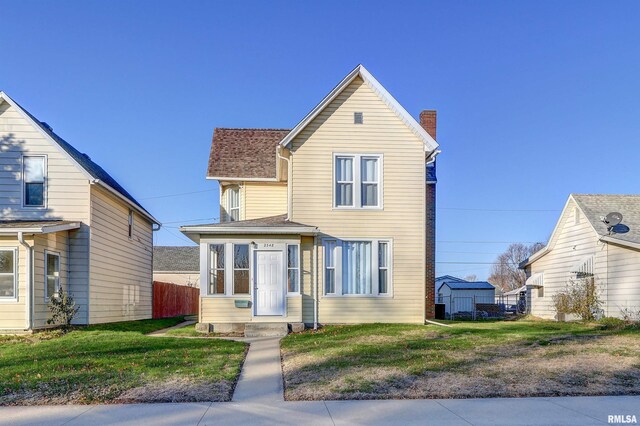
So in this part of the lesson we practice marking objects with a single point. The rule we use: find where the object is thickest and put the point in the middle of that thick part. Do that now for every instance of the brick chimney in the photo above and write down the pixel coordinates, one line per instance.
(428, 122)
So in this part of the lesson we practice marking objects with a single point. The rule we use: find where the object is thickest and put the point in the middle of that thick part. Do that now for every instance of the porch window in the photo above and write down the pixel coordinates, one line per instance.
(33, 180)
(233, 202)
(216, 269)
(358, 268)
(8, 282)
(293, 268)
(241, 269)
(52, 275)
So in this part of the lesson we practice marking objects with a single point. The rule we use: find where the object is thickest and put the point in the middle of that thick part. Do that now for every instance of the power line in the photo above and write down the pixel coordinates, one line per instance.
(486, 242)
(191, 220)
(177, 194)
(476, 263)
(178, 236)
(499, 210)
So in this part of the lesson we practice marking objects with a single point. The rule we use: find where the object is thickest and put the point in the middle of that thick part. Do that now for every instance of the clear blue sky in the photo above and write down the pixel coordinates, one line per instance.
(535, 99)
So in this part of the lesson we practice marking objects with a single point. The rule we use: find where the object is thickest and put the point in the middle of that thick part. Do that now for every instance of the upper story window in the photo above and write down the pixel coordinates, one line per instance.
(33, 181)
(233, 203)
(357, 181)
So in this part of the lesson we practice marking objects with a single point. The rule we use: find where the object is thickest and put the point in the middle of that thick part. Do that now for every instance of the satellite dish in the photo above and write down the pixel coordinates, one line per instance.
(612, 219)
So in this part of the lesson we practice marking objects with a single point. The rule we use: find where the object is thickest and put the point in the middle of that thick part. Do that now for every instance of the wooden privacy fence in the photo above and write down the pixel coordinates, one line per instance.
(172, 300)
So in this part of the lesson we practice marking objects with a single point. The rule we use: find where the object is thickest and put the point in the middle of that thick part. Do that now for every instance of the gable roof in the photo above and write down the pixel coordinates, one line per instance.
(468, 285)
(176, 259)
(91, 169)
(449, 278)
(430, 145)
(593, 208)
(244, 153)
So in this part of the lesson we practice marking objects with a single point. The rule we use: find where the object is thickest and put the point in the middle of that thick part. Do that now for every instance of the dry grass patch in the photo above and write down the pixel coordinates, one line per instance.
(500, 359)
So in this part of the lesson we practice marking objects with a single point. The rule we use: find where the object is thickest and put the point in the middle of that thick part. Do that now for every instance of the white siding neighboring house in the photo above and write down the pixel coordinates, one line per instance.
(582, 245)
(177, 265)
(66, 223)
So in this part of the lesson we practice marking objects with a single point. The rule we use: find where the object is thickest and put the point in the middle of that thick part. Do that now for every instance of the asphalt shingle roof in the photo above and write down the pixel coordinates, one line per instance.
(85, 161)
(176, 259)
(595, 206)
(244, 153)
(16, 224)
(271, 221)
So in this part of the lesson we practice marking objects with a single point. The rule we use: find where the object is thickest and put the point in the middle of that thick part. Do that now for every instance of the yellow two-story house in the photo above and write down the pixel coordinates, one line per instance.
(332, 221)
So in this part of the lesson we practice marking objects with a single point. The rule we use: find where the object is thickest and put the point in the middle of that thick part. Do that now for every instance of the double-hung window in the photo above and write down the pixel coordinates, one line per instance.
(241, 269)
(52, 275)
(293, 268)
(357, 267)
(33, 181)
(233, 203)
(216, 269)
(357, 181)
(130, 224)
(8, 282)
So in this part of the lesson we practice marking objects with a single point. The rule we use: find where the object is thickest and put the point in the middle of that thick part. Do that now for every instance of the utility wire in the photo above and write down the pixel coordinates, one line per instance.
(177, 194)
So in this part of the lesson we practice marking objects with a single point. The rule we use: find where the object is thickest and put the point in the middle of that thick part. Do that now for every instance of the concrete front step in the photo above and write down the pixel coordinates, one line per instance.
(266, 329)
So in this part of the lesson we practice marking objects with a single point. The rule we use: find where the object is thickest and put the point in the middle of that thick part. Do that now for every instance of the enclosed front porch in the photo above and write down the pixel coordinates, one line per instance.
(250, 273)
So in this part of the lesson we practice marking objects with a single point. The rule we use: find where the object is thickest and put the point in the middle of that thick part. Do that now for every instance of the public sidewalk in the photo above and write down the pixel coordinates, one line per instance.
(490, 411)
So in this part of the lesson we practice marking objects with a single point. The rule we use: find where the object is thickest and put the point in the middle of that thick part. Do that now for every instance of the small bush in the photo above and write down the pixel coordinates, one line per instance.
(630, 315)
(611, 323)
(63, 309)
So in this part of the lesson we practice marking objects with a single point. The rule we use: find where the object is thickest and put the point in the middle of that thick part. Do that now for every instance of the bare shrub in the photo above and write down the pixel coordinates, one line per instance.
(581, 298)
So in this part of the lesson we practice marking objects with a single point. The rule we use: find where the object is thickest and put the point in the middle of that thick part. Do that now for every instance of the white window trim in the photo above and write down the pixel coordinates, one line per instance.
(357, 181)
(287, 292)
(46, 273)
(230, 191)
(375, 285)
(5, 299)
(44, 184)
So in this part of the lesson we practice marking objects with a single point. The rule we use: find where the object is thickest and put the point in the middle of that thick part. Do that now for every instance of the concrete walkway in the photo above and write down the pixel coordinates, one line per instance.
(490, 411)
(261, 377)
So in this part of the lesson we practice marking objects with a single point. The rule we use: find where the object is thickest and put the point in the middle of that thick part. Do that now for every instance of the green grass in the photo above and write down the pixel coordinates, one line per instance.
(100, 363)
(190, 331)
(388, 360)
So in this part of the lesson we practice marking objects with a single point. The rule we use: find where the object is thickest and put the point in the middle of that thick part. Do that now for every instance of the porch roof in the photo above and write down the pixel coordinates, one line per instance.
(36, 227)
(273, 225)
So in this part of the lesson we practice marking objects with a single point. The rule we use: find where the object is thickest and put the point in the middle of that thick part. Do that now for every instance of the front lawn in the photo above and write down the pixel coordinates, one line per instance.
(468, 360)
(116, 363)
(190, 331)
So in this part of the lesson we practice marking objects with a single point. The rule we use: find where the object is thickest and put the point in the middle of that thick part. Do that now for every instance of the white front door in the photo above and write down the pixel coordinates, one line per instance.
(269, 291)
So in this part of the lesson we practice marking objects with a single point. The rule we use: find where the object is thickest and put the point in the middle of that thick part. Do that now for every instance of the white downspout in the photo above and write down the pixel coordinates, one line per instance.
(315, 291)
(29, 282)
(289, 183)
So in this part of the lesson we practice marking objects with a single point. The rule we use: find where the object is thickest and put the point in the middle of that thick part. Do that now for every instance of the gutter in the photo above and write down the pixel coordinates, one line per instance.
(29, 282)
(289, 182)
(315, 292)
(607, 239)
